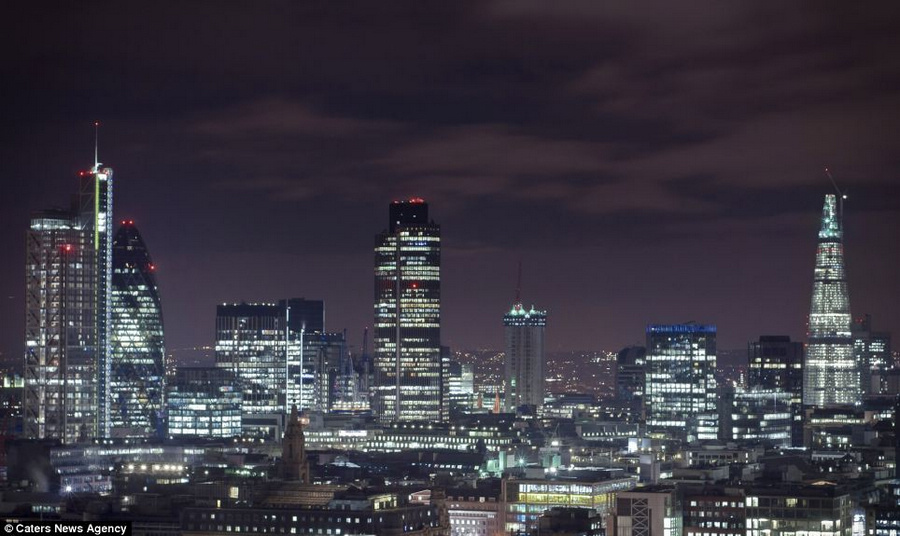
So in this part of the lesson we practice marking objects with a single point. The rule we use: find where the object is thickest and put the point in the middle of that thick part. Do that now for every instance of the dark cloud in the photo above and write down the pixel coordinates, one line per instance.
(649, 162)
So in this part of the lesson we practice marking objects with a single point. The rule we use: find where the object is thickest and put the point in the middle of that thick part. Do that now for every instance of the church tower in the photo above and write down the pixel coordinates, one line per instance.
(294, 465)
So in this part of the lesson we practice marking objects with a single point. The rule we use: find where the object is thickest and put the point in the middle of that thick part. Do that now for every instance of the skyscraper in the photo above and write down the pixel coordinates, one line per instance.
(60, 398)
(831, 374)
(407, 357)
(67, 319)
(279, 353)
(524, 365)
(96, 213)
(137, 354)
(680, 390)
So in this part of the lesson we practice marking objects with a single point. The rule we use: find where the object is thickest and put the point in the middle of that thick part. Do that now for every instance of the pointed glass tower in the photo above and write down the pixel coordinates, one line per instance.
(831, 375)
(137, 364)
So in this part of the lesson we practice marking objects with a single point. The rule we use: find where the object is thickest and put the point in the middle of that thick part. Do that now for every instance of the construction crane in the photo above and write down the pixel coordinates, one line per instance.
(842, 195)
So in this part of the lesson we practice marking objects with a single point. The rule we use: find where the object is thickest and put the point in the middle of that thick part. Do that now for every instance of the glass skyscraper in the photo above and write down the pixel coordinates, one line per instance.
(60, 396)
(407, 357)
(95, 214)
(525, 361)
(831, 375)
(68, 316)
(279, 354)
(680, 394)
(137, 370)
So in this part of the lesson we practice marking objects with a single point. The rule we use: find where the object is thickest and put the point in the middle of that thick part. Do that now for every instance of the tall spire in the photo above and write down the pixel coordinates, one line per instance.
(96, 145)
(831, 376)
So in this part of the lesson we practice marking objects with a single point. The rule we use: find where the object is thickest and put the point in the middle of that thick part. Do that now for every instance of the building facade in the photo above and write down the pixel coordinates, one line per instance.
(137, 352)
(776, 363)
(60, 389)
(681, 385)
(831, 375)
(524, 366)
(408, 365)
(872, 350)
(203, 402)
(279, 354)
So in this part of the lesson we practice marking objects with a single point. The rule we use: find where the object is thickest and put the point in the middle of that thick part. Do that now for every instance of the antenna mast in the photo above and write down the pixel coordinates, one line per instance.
(96, 145)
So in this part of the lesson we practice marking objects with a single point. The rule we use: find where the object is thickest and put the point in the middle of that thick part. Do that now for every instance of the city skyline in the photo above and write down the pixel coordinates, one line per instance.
(619, 201)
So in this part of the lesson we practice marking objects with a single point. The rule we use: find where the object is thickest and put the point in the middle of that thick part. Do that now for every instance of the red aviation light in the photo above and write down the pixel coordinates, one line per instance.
(152, 267)
(67, 248)
(416, 200)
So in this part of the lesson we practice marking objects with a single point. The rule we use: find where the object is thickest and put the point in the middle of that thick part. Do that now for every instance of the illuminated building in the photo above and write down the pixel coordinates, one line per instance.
(475, 512)
(761, 416)
(203, 402)
(652, 510)
(823, 509)
(96, 213)
(93, 468)
(347, 512)
(407, 358)
(525, 360)
(776, 363)
(680, 390)
(872, 350)
(137, 369)
(68, 283)
(714, 510)
(279, 354)
(527, 499)
(60, 397)
(831, 375)
(461, 385)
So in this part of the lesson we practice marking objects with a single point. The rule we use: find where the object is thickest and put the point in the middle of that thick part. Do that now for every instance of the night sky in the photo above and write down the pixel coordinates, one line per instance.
(647, 162)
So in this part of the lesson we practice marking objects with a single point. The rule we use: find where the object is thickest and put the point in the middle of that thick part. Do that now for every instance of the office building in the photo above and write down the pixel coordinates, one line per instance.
(525, 359)
(204, 402)
(776, 363)
(67, 317)
(527, 499)
(60, 396)
(137, 353)
(831, 374)
(823, 508)
(646, 511)
(763, 416)
(872, 350)
(461, 385)
(681, 385)
(279, 353)
(407, 357)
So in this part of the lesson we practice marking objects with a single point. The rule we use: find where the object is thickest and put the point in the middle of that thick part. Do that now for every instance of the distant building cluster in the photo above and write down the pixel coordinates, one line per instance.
(291, 430)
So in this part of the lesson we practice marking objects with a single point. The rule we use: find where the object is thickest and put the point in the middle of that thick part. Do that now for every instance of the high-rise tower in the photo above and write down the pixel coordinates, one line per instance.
(137, 354)
(60, 396)
(68, 316)
(407, 358)
(96, 213)
(681, 384)
(524, 365)
(831, 375)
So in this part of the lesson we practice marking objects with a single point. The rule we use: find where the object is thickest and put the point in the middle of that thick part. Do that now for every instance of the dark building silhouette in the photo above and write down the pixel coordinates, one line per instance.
(776, 364)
